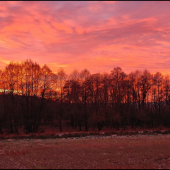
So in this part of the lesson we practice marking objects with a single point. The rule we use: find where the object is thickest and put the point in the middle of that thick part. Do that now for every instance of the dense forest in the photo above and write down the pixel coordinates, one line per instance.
(31, 96)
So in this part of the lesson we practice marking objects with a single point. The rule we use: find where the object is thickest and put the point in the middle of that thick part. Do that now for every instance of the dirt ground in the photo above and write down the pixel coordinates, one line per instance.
(139, 151)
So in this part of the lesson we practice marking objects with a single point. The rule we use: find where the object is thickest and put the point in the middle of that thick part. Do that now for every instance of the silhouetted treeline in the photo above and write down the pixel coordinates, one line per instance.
(31, 96)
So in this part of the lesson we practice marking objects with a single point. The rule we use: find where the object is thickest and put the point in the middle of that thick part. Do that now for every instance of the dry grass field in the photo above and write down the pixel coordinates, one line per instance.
(138, 151)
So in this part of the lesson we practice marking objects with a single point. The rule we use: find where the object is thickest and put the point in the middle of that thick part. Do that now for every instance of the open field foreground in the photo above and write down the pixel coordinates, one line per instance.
(139, 151)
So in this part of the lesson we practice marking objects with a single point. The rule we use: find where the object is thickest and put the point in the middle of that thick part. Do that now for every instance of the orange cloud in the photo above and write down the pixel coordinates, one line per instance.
(63, 27)
(94, 35)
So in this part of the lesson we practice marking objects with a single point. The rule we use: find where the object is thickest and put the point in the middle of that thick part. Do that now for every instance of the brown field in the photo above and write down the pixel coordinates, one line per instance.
(139, 151)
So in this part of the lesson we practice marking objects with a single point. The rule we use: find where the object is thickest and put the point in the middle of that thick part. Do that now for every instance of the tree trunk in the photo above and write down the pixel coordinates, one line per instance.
(85, 115)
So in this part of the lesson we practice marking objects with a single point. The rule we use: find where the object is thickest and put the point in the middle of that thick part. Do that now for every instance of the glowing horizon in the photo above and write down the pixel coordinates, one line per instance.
(98, 36)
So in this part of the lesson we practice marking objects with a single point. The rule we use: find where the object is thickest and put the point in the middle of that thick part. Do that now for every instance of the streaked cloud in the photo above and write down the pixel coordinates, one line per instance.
(94, 35)
(114, 59)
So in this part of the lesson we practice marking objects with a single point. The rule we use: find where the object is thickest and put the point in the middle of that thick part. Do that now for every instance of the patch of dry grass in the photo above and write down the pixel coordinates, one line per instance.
(52, 132)
(139, 151)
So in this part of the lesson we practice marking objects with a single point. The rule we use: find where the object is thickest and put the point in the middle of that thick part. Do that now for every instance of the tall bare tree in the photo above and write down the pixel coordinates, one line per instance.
(61, 80)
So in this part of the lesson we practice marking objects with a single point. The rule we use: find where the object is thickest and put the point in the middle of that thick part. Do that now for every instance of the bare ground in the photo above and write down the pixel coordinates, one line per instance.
(139, 151)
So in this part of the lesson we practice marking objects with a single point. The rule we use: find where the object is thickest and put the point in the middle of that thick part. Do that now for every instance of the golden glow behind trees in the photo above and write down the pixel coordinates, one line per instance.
(29, 79)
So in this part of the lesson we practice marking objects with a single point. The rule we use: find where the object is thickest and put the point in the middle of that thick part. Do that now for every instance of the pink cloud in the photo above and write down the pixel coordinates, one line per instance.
(86, 34)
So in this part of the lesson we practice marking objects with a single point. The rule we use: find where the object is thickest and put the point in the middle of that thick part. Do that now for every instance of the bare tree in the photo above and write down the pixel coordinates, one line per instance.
(166, 83)
(145, 83)
(61, 80)
(84, 75)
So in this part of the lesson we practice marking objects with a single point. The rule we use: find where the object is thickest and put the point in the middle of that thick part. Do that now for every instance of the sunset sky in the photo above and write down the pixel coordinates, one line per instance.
(95, 35)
